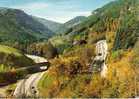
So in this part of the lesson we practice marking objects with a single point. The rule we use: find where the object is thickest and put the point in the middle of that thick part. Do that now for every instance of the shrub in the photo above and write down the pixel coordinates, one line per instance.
(44, 49)
(135, 59)
(117, 55)
(49, 51)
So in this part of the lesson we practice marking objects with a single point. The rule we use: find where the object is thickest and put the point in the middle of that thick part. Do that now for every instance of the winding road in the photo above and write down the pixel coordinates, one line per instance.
(28, 86)
(101, 54)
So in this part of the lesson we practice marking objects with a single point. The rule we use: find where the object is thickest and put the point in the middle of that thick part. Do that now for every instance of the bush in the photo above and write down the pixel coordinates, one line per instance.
(4, 68)
(44, 49)
(94, 37)
(49, 51)
(135, 59)
(117, 55)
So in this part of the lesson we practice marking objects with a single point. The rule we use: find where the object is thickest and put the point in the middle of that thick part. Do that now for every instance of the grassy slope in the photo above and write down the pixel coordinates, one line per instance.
(66, 82)
(10, 50)
(11, 57)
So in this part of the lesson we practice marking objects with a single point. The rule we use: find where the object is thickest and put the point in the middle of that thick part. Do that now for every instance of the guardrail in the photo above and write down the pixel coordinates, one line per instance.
(12, 76)
(35, 68)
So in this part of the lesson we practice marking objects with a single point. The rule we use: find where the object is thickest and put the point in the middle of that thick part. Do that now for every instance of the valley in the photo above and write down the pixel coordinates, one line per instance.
(94, 56)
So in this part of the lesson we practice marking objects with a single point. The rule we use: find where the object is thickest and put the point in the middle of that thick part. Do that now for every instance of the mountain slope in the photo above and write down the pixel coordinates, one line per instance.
(128, 31)
(17, 26)
(53, 26)
(74, 21)
(71, 23)
(117, 22)
(12, 58)
(116, 18)
(59, 27)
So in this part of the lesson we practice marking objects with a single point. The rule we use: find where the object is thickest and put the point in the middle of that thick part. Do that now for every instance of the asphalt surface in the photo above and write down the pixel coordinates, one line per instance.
(101, 54)
(28, 86)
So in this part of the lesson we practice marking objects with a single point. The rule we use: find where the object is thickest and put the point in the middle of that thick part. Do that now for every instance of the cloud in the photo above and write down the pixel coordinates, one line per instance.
(56, 10)
(59, 12)
(32, 6)
(63, 17)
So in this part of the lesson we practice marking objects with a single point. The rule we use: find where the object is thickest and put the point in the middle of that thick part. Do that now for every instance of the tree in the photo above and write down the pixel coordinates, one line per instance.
(49, 51)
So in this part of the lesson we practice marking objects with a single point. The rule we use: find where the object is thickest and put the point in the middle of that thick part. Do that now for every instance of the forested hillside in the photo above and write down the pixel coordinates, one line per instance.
(53, 26)
(69, 24)
(69, 76)
(73, 50)
(19, 29)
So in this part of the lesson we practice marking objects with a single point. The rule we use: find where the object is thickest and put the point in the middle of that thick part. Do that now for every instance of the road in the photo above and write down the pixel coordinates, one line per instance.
(101, 54)
(3, 92)
(37, 59)
(28, 86)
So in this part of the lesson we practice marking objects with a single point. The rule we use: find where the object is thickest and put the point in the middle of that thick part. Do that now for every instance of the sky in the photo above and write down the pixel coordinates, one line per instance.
(55, 10)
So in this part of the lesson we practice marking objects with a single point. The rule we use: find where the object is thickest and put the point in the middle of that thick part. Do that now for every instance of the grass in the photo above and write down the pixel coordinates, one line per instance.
(117, 55)
(58, 40)
(4, 68)
(10, 50)
(12, 58)
(46, 81)
(121, 75)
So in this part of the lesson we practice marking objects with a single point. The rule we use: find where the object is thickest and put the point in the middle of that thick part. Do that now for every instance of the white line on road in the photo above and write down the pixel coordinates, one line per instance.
(28, 86)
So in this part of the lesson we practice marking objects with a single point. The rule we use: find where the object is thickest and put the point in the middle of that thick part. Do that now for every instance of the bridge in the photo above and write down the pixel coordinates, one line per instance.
(38, 67)
(27, 87)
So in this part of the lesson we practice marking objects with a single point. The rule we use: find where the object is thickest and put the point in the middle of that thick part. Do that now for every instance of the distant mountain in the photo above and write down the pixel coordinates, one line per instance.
(53, 26)
(71, 23)
(17, 27)
(60, 28)
(75, 21)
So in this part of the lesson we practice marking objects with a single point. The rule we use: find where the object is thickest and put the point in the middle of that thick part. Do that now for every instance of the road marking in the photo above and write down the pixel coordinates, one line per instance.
(101, 54)
(24, 87)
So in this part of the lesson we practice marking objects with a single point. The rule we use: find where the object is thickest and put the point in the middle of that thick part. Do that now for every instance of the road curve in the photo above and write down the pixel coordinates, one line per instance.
(3, 92)
(101, 54)
(28, 86)
(31, 84)
(37, 59)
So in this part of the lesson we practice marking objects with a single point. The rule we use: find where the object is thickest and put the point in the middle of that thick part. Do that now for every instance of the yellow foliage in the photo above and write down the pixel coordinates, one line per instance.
(68, 82)
(110, 39)
(121, 75)
(123, 68)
